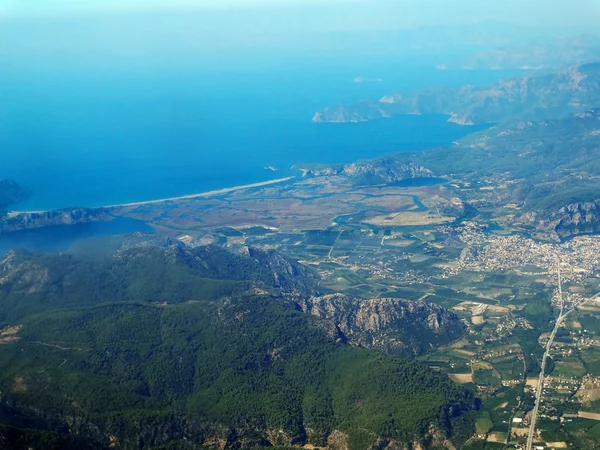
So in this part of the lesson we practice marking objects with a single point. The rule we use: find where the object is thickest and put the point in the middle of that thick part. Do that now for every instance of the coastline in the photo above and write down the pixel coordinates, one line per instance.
(169, 199)
(201, 194)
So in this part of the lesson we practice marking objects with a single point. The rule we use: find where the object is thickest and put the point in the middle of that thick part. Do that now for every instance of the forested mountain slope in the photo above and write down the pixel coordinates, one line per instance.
(158, 346)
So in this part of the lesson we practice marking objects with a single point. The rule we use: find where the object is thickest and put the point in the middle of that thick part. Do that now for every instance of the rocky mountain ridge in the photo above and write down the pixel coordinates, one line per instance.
(385, 170)
(188, 432)
(529, 97)
(566, 221)
(39, 219)
(534, 54)
(393, 326)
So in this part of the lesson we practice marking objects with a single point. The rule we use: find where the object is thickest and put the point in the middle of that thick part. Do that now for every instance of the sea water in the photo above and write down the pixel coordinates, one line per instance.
(79, 136)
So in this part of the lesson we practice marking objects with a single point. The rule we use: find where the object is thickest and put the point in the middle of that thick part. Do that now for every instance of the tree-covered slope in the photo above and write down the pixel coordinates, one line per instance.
(149, 356)
(31, 283)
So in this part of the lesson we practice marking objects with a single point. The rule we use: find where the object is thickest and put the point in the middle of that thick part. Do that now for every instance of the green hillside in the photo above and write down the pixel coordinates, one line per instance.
(242, 368)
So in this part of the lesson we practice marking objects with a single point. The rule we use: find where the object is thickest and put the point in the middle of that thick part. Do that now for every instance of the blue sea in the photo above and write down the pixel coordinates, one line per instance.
(92, 136)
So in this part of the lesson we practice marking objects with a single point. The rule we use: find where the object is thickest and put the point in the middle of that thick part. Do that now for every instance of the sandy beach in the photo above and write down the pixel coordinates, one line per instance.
(203, 194)
(183, 197)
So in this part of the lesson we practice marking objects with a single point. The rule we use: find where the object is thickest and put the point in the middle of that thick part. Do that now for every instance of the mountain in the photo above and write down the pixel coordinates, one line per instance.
(537, 54)
(541, 176)
(386, 170)
(32, 283)
(11, 193)
(548, 168)
(394, 326)
(176, 347)
(39, 219)
(576, 89)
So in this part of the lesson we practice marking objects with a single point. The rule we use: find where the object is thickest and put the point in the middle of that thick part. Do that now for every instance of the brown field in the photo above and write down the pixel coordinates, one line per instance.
(587, 394)
(399, 242)
(589, 415)
(408, 218)
(576, 324)
(520, 431)
(497, 437)
(464, 352)
(390, 202)
(461, 378)
(460, 344)
(19, 385)
(557, 444)
(475, 308)
(419, 258)
(532, 382)
(477, 320)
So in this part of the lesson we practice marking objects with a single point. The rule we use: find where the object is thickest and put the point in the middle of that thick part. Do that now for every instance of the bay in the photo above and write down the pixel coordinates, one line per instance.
(80, 137)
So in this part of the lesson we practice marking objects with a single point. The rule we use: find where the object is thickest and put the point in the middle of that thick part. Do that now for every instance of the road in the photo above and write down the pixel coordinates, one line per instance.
(538, 392)
(560, 319)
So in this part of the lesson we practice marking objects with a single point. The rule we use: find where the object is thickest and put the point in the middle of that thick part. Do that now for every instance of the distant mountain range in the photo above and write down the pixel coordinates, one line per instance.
(573, 90)
(536, 54)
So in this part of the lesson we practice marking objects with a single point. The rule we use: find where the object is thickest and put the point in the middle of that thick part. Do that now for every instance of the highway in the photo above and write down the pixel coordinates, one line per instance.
(538, 392)
(559, 320)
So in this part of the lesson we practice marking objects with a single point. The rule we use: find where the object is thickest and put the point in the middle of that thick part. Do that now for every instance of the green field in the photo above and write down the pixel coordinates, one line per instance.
(569, 367)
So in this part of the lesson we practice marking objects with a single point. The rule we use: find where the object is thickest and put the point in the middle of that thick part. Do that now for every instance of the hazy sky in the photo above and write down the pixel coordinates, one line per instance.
(65, 33)
(346, 14)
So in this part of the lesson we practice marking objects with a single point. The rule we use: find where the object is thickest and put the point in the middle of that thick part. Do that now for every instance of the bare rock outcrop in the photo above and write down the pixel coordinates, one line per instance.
(391, 325)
